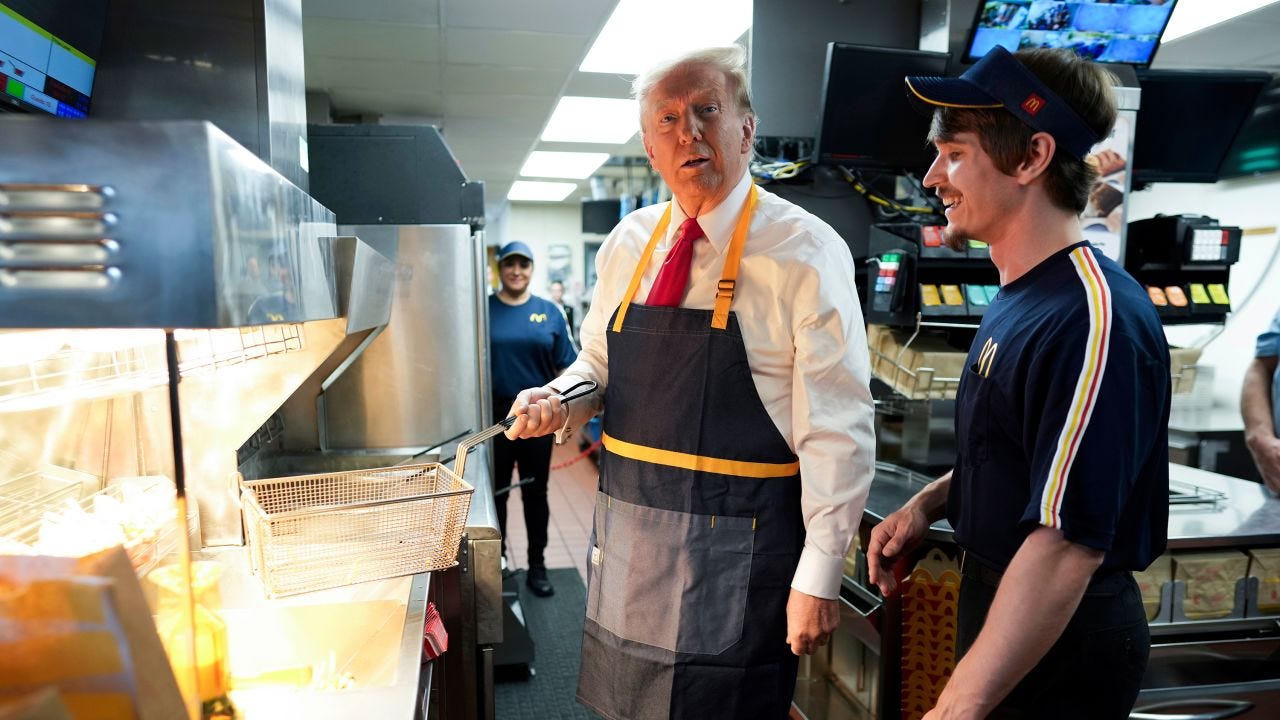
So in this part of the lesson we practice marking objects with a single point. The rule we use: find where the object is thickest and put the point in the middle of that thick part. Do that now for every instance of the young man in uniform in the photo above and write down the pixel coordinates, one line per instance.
(1060, 485)
(738, 444)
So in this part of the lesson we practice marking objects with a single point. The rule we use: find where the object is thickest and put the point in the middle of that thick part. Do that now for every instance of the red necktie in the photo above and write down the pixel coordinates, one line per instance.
(668, 289)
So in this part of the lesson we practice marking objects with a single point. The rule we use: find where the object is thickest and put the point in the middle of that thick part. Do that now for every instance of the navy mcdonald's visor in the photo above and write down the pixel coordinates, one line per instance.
(999, 80)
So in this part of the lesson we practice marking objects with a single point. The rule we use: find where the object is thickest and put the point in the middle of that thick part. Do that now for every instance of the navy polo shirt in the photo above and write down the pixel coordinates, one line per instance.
(528, 346)
(1062, 416)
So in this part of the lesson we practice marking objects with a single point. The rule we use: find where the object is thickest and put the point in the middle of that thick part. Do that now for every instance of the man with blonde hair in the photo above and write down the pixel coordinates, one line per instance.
(738, 445)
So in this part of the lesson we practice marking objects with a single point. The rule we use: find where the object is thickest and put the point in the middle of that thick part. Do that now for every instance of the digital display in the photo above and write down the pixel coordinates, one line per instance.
(1188, 120)
(866, 119)
(1123, 31)
(48, 54)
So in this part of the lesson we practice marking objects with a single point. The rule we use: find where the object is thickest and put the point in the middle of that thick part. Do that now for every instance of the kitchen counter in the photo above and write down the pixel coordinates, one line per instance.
(1246, 514)
(369, 633)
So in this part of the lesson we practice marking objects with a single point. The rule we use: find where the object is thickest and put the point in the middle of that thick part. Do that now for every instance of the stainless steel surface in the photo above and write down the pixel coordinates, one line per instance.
(240, 590)
(1218, 669)
(236, 63)
(892, 487)
(470, 599)
(417, 383)
(1250, 515)
(192, 231)
(364, 279)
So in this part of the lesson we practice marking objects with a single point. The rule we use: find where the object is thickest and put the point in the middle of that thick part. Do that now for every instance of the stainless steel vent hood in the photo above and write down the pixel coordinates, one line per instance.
(154, 224)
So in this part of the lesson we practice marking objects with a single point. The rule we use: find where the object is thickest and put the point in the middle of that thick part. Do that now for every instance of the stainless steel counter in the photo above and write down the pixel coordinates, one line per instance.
(393, 679)
(891, 489)
(1249, 515)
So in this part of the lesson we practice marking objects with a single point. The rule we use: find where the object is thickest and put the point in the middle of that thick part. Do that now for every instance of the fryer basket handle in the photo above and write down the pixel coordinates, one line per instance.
(580, 389)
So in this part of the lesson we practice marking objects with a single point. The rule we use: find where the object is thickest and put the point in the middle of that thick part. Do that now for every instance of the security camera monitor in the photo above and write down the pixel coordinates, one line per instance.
(1107, 32)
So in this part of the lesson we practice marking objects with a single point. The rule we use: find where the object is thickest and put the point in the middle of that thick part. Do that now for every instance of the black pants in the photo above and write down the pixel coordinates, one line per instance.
(533, 458)
(1094, 669)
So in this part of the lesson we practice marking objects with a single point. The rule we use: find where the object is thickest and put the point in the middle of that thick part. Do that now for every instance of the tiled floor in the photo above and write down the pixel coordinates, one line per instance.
(571, 496)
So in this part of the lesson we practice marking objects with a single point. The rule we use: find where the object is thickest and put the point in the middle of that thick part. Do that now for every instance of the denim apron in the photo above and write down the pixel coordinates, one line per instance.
(697, 528)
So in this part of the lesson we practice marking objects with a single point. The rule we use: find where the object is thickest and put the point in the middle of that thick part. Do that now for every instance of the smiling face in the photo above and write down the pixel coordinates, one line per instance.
(696, 136)
(515, 272)
(978, 197)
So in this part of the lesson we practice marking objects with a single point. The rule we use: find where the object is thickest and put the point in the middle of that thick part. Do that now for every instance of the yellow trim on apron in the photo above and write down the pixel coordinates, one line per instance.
(728, 276)
(702, 463)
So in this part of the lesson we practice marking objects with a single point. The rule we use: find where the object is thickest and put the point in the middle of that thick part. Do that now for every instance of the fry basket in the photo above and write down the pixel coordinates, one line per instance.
(313, 532)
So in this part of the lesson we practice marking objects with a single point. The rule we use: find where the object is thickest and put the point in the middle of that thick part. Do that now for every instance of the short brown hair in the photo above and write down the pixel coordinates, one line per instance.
(1083, 85)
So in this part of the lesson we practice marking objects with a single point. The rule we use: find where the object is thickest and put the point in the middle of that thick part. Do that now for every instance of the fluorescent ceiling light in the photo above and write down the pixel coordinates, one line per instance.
(593, 120)
(642, 32)
(575, 165)
(1194, 15)
(541, 191)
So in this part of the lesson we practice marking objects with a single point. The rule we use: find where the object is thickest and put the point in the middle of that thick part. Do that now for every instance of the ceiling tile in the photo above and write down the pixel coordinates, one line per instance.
(369, 40)
(362, 99)
(380, 75)
(533, 109)
(575, 17)
(417, 12)
(598, 85)
(488, 79)
(516, 49)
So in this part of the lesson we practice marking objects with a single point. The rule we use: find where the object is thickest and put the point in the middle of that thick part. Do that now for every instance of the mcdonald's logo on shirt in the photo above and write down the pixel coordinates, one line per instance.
(986, 357)
(537, 317)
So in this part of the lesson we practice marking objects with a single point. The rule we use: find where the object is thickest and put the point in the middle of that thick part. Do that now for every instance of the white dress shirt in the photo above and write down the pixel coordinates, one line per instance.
(806, 344)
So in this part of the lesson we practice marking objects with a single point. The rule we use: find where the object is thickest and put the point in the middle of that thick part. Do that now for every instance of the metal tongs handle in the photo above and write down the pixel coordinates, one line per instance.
(581, 389)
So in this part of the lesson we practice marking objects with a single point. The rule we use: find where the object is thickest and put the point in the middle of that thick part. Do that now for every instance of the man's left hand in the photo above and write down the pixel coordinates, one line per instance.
(810, 622)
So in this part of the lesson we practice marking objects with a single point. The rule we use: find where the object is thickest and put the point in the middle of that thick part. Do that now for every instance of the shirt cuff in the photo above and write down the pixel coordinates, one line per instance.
(818, 575)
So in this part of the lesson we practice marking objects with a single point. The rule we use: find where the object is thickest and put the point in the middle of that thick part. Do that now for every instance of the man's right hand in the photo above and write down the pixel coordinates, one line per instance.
(538, 411)
(1266, 455)
(897, 534)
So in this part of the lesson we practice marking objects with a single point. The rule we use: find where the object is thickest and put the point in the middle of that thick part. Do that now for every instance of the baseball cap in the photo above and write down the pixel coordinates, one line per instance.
(515, 248)
(999, 80)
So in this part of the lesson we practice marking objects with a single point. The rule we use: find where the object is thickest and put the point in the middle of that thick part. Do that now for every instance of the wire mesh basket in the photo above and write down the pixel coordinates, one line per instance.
(313, 532)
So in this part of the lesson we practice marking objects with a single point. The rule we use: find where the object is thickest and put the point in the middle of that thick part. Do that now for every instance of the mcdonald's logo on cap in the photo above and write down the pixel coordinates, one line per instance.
(1032, 104)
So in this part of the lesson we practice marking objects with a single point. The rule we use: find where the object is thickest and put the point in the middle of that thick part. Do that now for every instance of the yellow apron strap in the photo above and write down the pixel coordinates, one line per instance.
(658, 233)
(729, 276)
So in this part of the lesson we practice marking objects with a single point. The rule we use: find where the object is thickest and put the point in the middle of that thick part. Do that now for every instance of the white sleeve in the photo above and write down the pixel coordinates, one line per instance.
(833, 415)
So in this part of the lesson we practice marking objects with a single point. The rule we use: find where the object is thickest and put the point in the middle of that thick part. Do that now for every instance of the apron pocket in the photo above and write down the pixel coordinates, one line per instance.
(669, 579)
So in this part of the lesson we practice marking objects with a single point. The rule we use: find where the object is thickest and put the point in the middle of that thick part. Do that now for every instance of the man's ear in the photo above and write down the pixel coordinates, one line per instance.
(1039, 154)
(647, 150)
(748, 132)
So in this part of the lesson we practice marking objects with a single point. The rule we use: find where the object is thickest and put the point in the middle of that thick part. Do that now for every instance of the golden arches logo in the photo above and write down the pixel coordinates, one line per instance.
(1033, 104)
(986, 357)
(537, 317)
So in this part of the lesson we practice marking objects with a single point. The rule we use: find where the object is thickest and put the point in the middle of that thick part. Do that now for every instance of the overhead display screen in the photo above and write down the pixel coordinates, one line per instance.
(48, 54)
(1124, 31)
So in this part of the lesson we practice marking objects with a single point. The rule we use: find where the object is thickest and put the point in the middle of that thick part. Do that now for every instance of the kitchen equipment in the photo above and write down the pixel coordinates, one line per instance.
(312, 532)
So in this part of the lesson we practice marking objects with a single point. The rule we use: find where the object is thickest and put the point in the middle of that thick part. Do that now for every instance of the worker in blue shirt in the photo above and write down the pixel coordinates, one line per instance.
(529, 344)
(1060, 485)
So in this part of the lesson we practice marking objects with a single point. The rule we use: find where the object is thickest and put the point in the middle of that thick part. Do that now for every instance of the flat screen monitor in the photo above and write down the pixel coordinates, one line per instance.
(49, 53)
(866, 119)
(1188, 119)
(1257, 146)
(1109, 32)
(599, 216)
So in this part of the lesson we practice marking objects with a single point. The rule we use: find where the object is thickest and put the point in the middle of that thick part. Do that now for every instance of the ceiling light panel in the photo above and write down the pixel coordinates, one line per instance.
(642, 32)
(540, 191)
(592, 120)
(1194, 15)
(576, 165)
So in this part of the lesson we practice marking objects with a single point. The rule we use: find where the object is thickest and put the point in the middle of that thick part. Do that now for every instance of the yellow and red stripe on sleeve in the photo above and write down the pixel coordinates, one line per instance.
(1085, 397)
